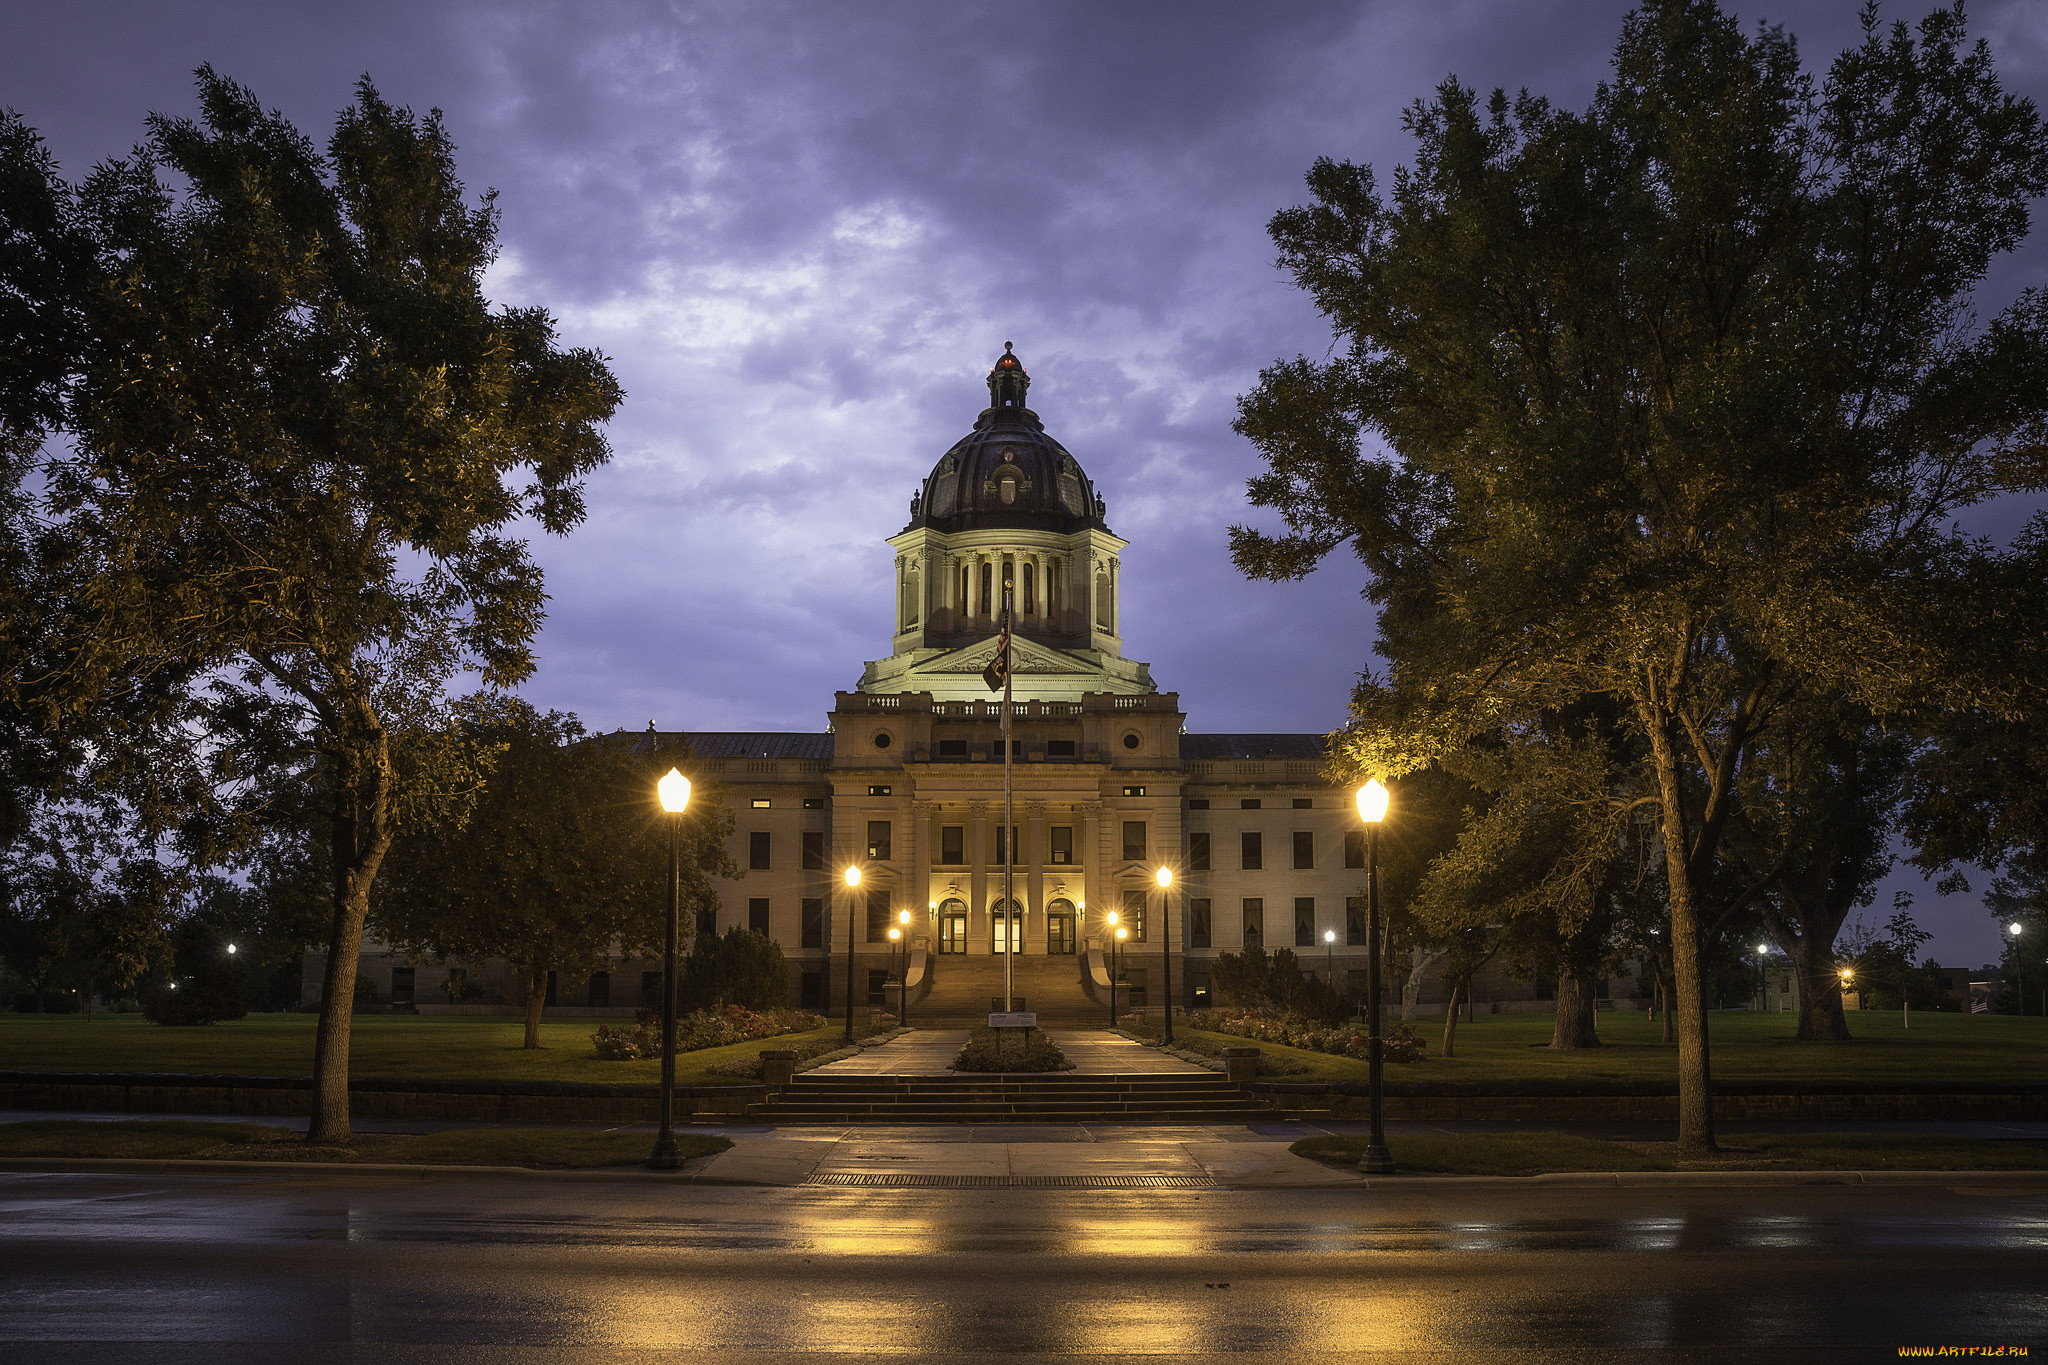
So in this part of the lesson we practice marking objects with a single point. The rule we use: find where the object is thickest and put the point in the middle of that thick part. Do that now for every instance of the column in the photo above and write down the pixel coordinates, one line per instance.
(977, 862)
(1033, 835)
(1091, 869)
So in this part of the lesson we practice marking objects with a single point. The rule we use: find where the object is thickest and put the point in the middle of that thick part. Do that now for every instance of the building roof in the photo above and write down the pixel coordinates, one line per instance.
(754, 743)
(1253, 746)
(1007, 472)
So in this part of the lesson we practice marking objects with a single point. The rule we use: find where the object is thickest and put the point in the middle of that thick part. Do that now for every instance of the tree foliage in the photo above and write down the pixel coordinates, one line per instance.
(739, 967)
(1667, 403)
(302, 444)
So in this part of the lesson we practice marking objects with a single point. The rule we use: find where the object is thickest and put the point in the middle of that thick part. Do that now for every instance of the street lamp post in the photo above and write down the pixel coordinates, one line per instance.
(1166, 941)
(1330, 956)
(2019, 975)
(674, 793)
(1109, 923)
(1372, 808)
(903, 1003)
(852, 884)
(895, 937)
(1116, 973)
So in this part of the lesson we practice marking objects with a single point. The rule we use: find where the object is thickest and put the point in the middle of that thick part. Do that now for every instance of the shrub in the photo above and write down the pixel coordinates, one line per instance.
(695, 1032)
(1253, 980)
(1399, 1044)
(987, 1050)
(196, 1000)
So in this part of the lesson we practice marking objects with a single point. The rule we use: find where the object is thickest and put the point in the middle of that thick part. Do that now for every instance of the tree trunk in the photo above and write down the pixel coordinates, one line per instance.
(536, 1001)
(360, 838)
(1420, 960)
(1576, 1005)
(1819, 992)
(1695, 1075)
(1450, 1048)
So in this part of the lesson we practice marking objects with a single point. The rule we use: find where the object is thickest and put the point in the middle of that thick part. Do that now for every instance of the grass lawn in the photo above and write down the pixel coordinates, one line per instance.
(411, 1047)
(1535, 1153)
(1747, 1046)
(568, 1148)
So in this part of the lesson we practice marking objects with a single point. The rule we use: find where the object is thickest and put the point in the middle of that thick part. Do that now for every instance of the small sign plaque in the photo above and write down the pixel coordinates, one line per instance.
(1015, 1019)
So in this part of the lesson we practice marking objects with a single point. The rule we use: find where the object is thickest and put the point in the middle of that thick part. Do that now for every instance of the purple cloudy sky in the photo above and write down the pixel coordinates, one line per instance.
(802, 232)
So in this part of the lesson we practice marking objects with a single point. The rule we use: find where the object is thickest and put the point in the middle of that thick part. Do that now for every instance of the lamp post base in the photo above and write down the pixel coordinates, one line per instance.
(664, 1156)
(1377, 1160)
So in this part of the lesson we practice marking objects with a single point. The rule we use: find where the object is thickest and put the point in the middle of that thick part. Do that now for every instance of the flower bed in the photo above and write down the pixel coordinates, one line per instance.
(695, 1032)
(988, 1050)
(1398, 1044)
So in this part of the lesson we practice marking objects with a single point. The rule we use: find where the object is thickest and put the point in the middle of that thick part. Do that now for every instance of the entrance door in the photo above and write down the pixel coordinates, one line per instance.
(1006, 928)
(1059, 928)
(953, 927)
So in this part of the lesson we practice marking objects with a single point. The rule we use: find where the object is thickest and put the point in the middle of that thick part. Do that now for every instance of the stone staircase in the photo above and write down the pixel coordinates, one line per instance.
(821, 1097)
(962, 988)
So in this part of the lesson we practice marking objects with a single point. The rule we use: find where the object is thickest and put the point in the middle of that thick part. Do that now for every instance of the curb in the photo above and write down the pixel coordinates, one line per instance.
(693, 1171)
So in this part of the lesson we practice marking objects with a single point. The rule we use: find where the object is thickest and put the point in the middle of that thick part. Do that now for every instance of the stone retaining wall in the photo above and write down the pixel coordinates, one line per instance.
(454, 1101)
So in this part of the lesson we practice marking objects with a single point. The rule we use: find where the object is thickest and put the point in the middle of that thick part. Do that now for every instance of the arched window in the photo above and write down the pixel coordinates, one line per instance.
(1104, 617)
(1030, 590)
(1059, 927)
(988, 588)
(953, 926)
(961, 603)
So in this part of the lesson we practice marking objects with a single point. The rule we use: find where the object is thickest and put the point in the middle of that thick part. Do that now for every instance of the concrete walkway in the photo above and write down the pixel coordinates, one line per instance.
(928, 1052)
(882, 1158)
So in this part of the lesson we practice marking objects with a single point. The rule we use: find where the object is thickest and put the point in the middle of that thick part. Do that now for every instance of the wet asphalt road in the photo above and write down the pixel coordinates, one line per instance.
(348, 1266)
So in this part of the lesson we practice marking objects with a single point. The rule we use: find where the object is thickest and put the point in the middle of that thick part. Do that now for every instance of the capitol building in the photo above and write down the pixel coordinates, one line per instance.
(906, 780)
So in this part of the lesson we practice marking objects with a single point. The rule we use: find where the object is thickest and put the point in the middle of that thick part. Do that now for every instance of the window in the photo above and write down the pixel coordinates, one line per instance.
(1134, 986)
(1254, 922)
(757, 915)
(760, 803)
(1134, 915)
(1252, 848)
(1059, 928)
(878, 841)
(1304, 848)
(880, 791)
(1007, 849)
(1198, 922)
(952, 748)
(401, 985)
(878, 916)
(757, 851)
(1304, 803)
(953, 927)
(1354, 921)
(1354, 848)
(995, 748)
(1134, 838)
(1304, 921)
(1249, 803)
(1030, 588)
(813, 844)
(650, 990)
(1060, 849)
(1132, 740)
(1199, 803)
(952, 845)
(1198, 990)
(599, 992)
(883, 739)
(1134, 791)
(988, 588)
(1059, 748)
(814, 922)
(878, 986)
(707, 923)
(810, 990)
(1198, 851)
(814, 803)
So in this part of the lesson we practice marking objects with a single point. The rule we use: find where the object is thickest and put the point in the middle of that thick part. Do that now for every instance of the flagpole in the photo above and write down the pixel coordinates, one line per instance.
(1010, 915)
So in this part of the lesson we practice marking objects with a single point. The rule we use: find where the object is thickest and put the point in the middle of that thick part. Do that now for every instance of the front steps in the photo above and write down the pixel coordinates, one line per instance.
(1025, 1098)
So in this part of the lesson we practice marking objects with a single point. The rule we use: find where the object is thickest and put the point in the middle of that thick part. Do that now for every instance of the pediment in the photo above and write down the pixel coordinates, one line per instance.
(1026, 656)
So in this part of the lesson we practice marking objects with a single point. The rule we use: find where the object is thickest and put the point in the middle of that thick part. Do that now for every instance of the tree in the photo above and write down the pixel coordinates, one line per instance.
(1676, 397)
(563, 862)
(302, 440)
(739, 967)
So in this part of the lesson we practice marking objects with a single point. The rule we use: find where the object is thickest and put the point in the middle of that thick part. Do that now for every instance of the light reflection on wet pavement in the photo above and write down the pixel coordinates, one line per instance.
(347, 1266)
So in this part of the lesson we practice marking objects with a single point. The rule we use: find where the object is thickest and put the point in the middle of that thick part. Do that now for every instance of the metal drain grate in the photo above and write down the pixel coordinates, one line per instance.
(909, 1181)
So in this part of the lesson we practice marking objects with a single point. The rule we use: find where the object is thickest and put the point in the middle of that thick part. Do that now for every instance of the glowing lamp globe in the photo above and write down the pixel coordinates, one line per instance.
(1372, 802)
(1165, 878)
(853, 876)
(674, 790)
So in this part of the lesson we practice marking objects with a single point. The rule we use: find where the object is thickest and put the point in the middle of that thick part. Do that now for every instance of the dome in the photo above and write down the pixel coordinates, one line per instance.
(1007, 472)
